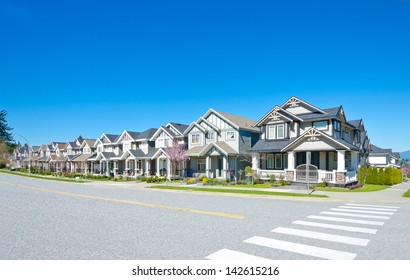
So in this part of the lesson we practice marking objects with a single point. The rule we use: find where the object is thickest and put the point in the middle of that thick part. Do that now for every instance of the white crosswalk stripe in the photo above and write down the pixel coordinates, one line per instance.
(353, 221)
(338, 227)
(307, 250)
(323, 236)
(226, 254)
(350, 213)
(362, 211)
(368, 208)
(367, 205)
(355, 215)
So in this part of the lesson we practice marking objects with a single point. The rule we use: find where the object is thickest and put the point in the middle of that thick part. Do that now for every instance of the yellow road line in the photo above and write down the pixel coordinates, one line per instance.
(220, 214)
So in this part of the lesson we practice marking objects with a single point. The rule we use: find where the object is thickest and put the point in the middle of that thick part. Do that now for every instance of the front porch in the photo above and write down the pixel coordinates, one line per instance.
(334, 167)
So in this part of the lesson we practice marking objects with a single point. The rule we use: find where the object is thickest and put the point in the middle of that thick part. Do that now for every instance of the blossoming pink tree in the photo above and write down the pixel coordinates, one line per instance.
(177, 155)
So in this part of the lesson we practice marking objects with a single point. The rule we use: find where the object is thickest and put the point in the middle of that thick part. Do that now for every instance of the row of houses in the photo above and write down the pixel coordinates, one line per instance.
(218, 144)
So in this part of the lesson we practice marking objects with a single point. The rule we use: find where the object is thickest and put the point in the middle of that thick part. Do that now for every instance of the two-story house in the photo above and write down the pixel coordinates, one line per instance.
(87, 150)
(380, 157)
(298, 133)
(107, 151)
(135, 160)
(216, 143)
(164, 138)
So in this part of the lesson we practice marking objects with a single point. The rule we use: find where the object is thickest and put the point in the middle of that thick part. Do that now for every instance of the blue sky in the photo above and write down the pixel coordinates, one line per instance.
(72, 68)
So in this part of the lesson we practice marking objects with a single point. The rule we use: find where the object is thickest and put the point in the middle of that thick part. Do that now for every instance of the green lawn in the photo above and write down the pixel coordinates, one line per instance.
(223, 190)
(366, 188)
(43, 177)
(407, 194)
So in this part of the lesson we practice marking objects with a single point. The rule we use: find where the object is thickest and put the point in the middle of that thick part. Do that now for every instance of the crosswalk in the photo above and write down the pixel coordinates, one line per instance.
(348, 219)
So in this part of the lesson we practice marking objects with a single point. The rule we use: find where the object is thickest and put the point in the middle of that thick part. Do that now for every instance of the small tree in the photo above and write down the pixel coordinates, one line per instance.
(176, 154)
(5, 130)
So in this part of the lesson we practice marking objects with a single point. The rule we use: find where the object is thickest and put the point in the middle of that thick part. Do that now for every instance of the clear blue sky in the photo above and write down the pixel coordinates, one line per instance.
(91, 67)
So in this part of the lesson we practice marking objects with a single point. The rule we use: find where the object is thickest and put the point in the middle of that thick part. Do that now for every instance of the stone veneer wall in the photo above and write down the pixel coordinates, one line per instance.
(290, 175)
(340, 178)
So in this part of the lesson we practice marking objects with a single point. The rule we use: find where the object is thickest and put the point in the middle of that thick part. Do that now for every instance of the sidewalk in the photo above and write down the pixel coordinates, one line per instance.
(392, 195)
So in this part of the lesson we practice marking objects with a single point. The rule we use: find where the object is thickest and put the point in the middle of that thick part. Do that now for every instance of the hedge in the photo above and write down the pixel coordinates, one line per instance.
(382, 176)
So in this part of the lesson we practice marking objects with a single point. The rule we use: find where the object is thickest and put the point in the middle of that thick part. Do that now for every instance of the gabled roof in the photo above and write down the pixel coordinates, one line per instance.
(314, 133)
(237, 121)
(178, 127)
(203, 150)
(83, 157)
(331, 113)
(214, 127)
(355, 123)
(133, 135)
(279, 111)
(112, 137)
(294, 101)
(89, 142)
(192, 125)
(147, 134)
(377, 150)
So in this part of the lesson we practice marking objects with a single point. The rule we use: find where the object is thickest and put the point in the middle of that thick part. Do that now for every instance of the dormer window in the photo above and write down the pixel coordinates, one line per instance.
(336, 125)
(195, 139)
(320, 125)
(276, 131)
(230, 135)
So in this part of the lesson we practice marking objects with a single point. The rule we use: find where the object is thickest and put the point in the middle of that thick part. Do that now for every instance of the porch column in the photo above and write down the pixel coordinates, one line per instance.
(225, 167)
(290, 172)
(169, 169)
(107, 171)
(341, 170)
(92, 167)
(136, 166)
(255, 161)
(147, 167)
(158, 174)
(291, 160)
(341, 161)
(208, 166)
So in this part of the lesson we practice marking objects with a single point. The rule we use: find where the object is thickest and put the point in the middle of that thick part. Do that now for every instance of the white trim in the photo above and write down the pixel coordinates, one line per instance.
(314, 130)
(155, 136)
(304, 102)
(214, 127)
(192, 125)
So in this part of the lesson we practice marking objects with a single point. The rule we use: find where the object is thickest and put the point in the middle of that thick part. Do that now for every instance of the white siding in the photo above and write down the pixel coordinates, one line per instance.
(319, 145)
(377, 160)
(298, 110)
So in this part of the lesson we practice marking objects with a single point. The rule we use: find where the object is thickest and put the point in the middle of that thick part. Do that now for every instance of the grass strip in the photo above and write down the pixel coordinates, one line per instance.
(43, 177)
(366, 188)
(220, 190)
(407, 194)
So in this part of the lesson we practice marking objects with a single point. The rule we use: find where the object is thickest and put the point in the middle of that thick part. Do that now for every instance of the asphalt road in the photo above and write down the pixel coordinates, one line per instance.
(56, 220)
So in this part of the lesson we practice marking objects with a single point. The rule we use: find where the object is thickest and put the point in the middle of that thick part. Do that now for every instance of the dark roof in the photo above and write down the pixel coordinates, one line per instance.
(169, 131)
(355, 123)
(137, 153)
(396, 155)
(344, 142)
(133, 134)
(151, 152)
(180, 127)
(378, 150)
(264, 145)
(108, 155)
(147, 134)
(72, 144)
(331, 113)
(112, 137)
(239, 121)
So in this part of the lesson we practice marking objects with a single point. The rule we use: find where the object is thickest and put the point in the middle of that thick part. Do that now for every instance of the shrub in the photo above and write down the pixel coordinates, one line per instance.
(191, 180)
(248, 171)
(202, 177)
(272, 179)
(205, 180)
(408, 175)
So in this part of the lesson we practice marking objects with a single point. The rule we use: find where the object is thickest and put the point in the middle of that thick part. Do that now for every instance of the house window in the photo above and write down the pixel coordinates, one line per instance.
(272, 132)
(276, 131)
(320, 125)
(270, 161)
(201, 165)
(166, 142)
(195, 139)
(230, 135)
(278, 161)
(211, 135)
(336, 125)
(285, 161)
(280, 132)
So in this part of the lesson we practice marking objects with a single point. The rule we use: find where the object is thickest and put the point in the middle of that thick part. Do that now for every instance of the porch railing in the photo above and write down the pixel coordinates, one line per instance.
(328, 176)
(266, 174)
